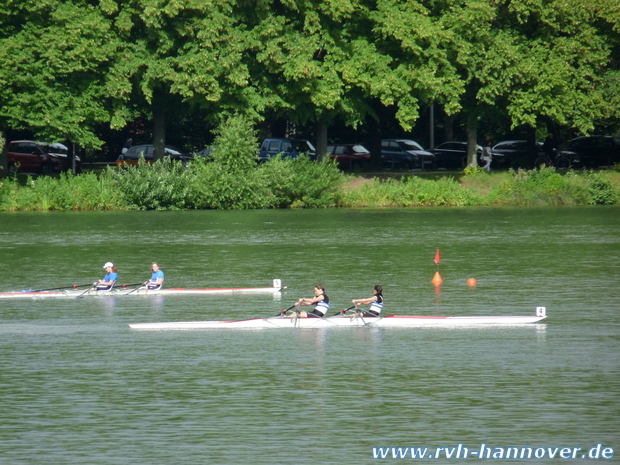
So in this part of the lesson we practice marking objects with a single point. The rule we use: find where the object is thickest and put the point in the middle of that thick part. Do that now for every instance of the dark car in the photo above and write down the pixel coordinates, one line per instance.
(592, 151)
(404, 153)
(289, 148)
(453, 155)
(349, 156)
(515, 154)
(132, 155)
(62, 152)
(26, 156)
(206, 152)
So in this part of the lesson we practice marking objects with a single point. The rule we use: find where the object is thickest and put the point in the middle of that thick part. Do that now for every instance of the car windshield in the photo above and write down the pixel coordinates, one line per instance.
(410, 145)
(171, 151)
(450, 146)
(303, 146)
(359, 149)
(55, 147)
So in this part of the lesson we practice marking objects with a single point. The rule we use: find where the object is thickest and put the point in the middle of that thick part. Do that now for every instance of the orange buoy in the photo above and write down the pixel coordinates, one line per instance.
(471, 282)
(437, 279)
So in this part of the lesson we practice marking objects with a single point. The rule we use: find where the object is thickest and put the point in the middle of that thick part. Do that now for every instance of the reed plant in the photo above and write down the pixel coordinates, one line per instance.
(67, 192)
(302, 183)
(165, 184)
(215, 187)
(407, 192)
(234, 179)
(543, 187)
(601, 190)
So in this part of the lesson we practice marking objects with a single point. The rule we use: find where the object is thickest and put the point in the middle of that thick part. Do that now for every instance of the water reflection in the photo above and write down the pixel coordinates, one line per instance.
(108, 303)
(541, 332)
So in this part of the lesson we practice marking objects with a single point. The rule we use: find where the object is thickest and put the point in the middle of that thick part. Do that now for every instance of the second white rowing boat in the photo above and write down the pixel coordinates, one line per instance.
(391, 321)
(72, 293)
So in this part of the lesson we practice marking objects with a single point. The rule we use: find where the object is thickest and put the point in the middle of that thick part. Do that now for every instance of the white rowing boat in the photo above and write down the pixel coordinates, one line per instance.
(340, 321)
(72, 293)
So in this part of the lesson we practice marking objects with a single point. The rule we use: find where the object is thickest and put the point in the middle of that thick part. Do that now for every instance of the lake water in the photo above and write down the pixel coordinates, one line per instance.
(77, 386)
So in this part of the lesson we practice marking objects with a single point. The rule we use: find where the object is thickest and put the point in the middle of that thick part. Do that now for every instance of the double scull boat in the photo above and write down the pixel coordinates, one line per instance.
(72, 293)
(345, 321)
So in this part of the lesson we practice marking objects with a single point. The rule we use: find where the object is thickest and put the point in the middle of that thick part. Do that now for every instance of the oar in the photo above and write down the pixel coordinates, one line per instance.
(344, 310)
(140, 287)
(283, 312)
(295, 316)
(94, 285)
(75, 286)
(360, 315)
(132, 285)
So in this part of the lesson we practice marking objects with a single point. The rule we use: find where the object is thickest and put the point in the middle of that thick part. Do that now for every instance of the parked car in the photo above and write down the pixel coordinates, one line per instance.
(453, 155)
(289, 148)
(514, 154)
(406, 153)
(131, 156)
(206, 152)
(349, 155)
(27, 156)
(62, 151)
(592, 151)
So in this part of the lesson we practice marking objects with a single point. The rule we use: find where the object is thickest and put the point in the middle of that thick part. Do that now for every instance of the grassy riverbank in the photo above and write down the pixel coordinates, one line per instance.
(479, 188)
(301, 184)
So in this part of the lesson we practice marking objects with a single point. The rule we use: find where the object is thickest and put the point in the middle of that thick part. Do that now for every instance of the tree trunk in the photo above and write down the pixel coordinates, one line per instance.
(431, 127)
(374, 143)
(71, 157)
(4, 166)
(448, 129)
(321, 141)
(532, 150)
(159, 128)
(472, 136)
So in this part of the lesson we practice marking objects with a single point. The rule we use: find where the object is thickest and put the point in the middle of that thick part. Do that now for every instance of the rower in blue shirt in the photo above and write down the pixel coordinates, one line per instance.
(375, 302)
(107, 283)
(320, 302)
(157, 278)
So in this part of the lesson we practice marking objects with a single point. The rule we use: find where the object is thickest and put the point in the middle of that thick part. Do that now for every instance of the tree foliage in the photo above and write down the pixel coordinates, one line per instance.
(68, 66)
(54, 58)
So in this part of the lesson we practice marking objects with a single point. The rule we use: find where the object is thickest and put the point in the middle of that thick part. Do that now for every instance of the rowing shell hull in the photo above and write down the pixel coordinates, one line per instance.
(123, 292)
(392, 321)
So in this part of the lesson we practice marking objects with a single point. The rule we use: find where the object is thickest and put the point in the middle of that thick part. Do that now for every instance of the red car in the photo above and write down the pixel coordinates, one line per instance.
(26, 156)
(349, 155)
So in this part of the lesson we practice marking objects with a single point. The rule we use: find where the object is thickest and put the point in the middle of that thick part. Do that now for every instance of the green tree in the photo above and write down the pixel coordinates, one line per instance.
(67, 66)
(54, 57)
(337, 59)
(533, 59)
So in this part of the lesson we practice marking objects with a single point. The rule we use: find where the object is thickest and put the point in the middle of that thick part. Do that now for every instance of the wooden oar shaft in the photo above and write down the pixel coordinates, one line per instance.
(140, 287)
(93, 286)
(344, 310)
(283, 312)
(75, 286)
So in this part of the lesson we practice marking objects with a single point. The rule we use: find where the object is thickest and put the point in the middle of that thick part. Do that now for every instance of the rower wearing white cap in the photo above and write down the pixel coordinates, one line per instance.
(107, 283)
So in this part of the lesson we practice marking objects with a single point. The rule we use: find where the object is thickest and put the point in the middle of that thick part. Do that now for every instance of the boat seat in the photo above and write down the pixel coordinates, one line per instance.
(153, 287)
(101, 287)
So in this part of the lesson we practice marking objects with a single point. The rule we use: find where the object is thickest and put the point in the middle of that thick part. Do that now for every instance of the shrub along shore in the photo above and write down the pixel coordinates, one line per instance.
(280, 183)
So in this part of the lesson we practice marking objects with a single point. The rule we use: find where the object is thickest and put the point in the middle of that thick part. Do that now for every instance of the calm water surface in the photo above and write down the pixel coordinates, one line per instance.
(79, 387)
